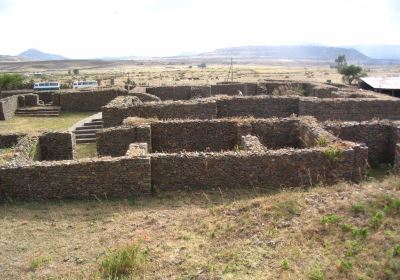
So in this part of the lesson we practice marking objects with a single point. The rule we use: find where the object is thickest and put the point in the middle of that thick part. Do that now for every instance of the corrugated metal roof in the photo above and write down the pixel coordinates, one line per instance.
(383, 82)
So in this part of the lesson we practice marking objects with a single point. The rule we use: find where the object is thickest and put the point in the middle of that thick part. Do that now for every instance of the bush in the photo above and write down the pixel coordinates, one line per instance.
(126, 261)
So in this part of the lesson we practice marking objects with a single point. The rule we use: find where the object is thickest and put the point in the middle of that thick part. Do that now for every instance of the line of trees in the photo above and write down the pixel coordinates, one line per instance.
(10, 81)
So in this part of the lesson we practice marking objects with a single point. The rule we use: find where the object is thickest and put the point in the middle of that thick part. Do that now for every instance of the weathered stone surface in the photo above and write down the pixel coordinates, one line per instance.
(103, 178)
(9, 140)
(8, 106)
(57, 145)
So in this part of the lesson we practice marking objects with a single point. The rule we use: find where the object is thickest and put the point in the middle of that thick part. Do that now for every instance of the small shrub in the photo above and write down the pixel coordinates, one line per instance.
(377, 219)
(345, 266)
(358, 208)
(360, 233)
(285, 264)
(317, 275)
(38, 262)
(128, 260)
(321, 141)
(333, 153)
(347, 228)
(330, 219)
(396, 251)
(393, 207)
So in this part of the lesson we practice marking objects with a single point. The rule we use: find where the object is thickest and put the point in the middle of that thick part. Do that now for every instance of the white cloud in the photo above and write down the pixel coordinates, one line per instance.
(81, 29)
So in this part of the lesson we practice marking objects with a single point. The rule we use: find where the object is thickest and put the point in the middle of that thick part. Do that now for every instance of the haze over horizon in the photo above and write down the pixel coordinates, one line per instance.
(90, 29)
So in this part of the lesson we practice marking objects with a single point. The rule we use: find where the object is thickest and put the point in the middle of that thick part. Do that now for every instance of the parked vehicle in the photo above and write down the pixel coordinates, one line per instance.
(46, 86)
(84, 84)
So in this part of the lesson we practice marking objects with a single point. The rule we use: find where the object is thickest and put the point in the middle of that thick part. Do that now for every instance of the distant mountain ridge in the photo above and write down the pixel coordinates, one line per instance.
(34, 54)
(379, 51)
(306, 52)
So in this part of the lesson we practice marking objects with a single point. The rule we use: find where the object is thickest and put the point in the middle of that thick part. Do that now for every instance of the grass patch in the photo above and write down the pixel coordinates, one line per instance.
(333, 153)
(37, 124)
(38, 262)
(85, 150)
(123, 262)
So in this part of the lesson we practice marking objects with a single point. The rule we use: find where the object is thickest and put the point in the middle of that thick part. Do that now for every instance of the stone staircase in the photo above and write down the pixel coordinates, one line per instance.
(86, 133)
(39, 111)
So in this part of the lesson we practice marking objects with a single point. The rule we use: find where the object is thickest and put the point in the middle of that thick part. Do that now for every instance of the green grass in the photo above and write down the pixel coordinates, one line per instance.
(33, 124)
(85, 150)
(127, 261)
(38, 262)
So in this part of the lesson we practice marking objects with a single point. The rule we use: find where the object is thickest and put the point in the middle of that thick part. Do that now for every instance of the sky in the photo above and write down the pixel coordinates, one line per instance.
(116, 28)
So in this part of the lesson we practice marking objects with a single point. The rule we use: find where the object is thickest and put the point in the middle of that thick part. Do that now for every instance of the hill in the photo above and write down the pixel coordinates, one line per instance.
(289, 52)
(33, 54)
(10, 58)
(380, 51)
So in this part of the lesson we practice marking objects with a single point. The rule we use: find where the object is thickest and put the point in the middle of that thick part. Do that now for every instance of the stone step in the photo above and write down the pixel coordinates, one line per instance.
(94, 123)
(86, 131)
(38, 115)
(38, 110)
(85, 140)
(97, 120)
(84, 136)
(89, 127)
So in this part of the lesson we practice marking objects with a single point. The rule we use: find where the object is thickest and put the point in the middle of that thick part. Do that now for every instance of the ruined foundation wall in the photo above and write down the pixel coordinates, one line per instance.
(9, 140)
(103, 178)
(8, 106)
(228, 89)
(196, 109)
(257, 106)
(349, 109)
(267, 169)
(376, 135)
(176, 136)
(57, 146)
(86, 100)
(115, 141)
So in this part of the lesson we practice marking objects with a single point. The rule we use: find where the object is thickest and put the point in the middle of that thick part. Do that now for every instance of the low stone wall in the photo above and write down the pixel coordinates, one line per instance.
(145, 97)
(377, 135)
(193, 135)
(57, 145)
(115, 141)
(269, 169)
(31, 100)
(10, 139)
(257, 106)
(194, 109)
(102, 178)
(86, 100)
(171, 93)
(350, 109)
(8, 106)
(228, 89)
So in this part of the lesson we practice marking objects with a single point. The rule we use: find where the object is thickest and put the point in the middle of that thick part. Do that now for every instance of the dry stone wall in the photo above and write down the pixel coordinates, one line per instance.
(102, 178)
(57, 146)
(113, 115)
(378, 136)
(269, 169)
(8, 106)
(86, 100)
(115, 141)
(9, 140)
(194, 135)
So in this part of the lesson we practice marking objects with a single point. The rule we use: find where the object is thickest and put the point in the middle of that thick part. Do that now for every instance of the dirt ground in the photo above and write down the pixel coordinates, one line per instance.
(319, 233)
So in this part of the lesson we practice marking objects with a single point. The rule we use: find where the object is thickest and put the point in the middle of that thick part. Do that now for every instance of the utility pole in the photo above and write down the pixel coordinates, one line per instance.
(230, 73)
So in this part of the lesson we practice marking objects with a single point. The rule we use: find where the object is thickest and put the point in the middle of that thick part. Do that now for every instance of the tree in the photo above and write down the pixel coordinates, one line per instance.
(351, 73)
(76, 71)
(340, 61)
(10, 81)
(202, 65)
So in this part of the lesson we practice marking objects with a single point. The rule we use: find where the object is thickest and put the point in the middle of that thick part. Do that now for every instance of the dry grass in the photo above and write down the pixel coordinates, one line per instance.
(34, 124)
(340, 232)
(85, 150)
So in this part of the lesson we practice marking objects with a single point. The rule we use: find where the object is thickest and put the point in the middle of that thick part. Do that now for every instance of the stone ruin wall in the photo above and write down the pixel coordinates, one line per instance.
(8, 106)
(121, 177)
(57, 146)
